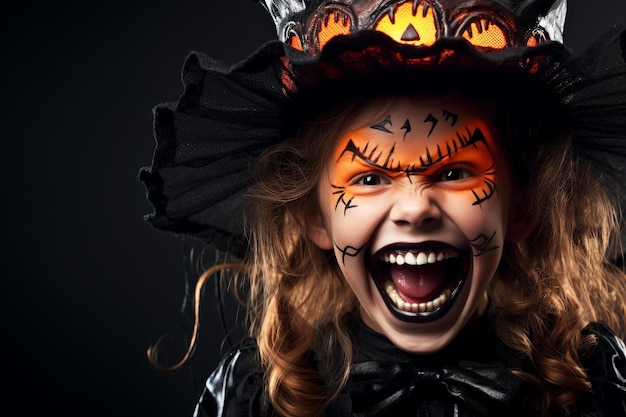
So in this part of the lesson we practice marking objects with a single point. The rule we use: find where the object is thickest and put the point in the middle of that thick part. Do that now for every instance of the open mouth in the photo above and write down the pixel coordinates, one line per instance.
(419, 283)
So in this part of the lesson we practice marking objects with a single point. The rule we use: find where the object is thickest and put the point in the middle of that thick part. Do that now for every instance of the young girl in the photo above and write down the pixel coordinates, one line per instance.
(430, 227)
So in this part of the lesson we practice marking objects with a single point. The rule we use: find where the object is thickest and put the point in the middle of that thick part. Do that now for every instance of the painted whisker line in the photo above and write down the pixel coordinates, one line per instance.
(342, 193)
(490, 189)
(348, 251)
(347, 204)
(481, 244)
(486, 193)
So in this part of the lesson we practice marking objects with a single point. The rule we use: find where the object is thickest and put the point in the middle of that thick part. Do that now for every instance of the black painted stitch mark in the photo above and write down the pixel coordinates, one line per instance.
(449, 115)
(406, 127)
(431, 119)
(342, 193)
(371, 155)
(348, 251)
(481, 244)
(461, 141)
(486, 193)
(388, 160)
(382, 126)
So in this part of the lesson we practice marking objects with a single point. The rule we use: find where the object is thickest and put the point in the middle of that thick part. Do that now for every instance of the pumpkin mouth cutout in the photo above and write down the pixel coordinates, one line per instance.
(419, 283)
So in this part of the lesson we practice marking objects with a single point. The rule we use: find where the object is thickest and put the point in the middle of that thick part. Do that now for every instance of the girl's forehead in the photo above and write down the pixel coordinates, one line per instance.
(426, 103)
(428, 119)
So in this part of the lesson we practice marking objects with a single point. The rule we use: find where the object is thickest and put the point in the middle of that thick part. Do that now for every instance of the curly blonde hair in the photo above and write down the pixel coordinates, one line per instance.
(550, 286)
(298, 296)
(560, 278)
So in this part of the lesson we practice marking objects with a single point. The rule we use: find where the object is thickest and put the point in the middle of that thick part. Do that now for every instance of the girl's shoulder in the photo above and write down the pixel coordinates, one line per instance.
(605, 364)
(235, 388)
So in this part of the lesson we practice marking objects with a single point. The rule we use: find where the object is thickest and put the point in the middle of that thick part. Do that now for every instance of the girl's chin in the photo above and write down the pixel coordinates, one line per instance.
(423, 338)
(419, 343)
(422, 345)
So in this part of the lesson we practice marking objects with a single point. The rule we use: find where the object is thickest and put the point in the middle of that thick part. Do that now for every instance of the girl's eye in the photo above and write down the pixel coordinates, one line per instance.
(372, 179)
(454, 174)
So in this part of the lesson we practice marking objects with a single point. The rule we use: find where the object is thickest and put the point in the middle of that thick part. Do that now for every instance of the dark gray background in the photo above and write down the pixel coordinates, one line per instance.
(87, 286)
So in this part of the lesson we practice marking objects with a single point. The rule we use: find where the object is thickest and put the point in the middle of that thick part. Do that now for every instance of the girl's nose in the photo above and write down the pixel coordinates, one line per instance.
(415, 209)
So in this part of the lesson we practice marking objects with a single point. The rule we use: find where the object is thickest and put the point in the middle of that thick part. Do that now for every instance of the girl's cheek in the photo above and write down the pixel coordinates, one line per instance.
(358, 211)
(471, 218)
(355, 225)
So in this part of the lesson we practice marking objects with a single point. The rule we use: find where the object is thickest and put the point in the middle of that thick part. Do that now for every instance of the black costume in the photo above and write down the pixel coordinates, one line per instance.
(469, 377)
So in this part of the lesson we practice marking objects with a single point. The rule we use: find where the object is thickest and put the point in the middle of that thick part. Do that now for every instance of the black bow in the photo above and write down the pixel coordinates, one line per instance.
(378, 388)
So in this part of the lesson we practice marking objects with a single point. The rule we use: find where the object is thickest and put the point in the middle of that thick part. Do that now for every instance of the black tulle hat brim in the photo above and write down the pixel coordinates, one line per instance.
(208, 142)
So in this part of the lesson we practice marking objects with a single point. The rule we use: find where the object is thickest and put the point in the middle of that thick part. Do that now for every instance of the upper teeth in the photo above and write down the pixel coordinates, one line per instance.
(418, 258)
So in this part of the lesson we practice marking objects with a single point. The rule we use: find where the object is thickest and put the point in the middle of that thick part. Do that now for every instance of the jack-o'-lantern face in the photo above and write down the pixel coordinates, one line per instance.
(410, 22)
(415, 22)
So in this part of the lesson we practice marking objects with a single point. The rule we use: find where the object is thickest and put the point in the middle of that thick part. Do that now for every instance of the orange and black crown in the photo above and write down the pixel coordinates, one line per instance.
(308, 25)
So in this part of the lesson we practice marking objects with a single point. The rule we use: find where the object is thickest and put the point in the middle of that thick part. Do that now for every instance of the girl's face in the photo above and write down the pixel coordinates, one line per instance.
(415, 204)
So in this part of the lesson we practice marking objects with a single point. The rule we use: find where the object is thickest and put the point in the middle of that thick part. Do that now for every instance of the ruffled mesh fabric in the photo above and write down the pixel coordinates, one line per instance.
(207, 144)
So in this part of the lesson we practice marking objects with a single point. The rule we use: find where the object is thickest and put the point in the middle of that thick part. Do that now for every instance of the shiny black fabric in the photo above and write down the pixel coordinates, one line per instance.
(469, 378)
(384, 388)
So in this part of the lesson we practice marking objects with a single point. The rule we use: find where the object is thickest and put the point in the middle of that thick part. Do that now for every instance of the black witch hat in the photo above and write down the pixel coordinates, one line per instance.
(208, 141)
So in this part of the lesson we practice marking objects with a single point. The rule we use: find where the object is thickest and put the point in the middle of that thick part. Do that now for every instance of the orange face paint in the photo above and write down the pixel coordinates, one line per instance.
(430, 149)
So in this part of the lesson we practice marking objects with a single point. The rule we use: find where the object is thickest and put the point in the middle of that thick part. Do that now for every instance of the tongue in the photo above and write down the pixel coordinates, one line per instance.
(419, 284)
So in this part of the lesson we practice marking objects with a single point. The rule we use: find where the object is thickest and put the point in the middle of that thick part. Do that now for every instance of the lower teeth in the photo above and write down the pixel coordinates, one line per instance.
(426, 307)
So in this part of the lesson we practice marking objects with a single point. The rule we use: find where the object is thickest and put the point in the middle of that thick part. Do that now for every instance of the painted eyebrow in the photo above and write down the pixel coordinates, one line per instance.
(462, 140)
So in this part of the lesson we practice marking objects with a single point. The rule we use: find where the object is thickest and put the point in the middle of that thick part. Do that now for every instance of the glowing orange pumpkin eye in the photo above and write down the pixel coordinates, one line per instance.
(485, 33)
(334, 23)
(294, 41)
(410, 23)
